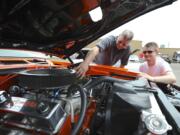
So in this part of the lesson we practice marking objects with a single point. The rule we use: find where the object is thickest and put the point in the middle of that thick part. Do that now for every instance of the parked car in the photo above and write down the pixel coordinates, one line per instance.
(166, 57)
(134, 58)
(133, 63)
(176, 57)
(48, 98)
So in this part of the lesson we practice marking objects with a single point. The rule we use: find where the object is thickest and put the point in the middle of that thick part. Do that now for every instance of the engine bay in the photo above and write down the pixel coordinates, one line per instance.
(55, 101)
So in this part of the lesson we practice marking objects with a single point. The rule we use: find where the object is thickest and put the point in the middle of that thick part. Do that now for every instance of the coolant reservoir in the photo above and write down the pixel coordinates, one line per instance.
(154, 119)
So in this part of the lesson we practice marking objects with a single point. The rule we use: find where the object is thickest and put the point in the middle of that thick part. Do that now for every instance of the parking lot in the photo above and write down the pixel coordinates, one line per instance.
(176, 70)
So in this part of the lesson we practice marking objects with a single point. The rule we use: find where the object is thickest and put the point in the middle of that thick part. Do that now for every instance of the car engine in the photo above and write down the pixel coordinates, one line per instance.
(36, 102)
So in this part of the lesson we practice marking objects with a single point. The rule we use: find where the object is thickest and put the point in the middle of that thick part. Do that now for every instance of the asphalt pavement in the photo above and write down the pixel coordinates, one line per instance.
(176, 70)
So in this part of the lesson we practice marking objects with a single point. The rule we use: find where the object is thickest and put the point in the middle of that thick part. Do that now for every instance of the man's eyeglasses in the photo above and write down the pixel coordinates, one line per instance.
(149, 52)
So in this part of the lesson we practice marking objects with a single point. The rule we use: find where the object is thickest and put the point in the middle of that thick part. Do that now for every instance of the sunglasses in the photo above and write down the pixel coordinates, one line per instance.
(149, 52)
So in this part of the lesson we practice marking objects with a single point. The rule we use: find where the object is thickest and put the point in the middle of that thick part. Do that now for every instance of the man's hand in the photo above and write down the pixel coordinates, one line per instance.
(148, 77)
(84, 66)
(82, 69)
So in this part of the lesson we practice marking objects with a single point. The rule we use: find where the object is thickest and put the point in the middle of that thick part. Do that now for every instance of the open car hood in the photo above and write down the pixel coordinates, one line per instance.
(64, 27)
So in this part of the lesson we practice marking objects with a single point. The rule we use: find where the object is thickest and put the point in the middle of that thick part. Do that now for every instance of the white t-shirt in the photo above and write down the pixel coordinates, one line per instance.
(160, 68)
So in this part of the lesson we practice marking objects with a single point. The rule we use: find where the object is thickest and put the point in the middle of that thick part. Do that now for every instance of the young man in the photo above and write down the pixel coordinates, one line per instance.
(108, 52)
(155, 68)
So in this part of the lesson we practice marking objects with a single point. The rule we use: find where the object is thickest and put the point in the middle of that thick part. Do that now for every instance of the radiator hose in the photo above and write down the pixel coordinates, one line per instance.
(78, 125)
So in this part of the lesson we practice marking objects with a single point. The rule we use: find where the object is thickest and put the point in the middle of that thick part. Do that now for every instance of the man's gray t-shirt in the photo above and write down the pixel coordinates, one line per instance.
(109, 54)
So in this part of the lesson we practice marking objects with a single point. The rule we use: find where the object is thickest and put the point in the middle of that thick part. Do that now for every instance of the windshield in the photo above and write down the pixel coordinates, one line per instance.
(22, 54)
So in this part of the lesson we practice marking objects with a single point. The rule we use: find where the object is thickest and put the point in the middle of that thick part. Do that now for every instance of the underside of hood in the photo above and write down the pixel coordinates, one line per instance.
(64, 26)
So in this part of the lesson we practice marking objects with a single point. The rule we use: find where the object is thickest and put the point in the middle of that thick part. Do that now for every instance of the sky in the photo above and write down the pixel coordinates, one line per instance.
(161, 25)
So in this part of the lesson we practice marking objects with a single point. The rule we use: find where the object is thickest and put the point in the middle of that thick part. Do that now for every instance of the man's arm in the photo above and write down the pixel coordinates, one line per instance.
(91, 55)
(84, 66)
(168, 78)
